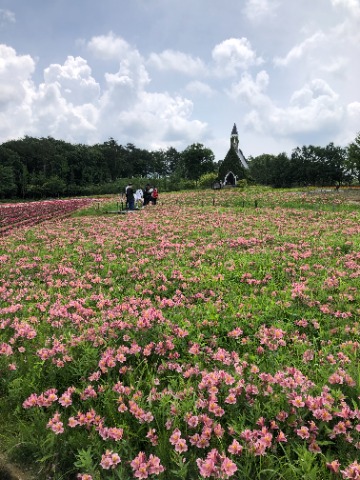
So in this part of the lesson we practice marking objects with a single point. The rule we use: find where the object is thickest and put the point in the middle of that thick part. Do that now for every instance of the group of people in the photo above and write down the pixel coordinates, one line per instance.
(140, 197)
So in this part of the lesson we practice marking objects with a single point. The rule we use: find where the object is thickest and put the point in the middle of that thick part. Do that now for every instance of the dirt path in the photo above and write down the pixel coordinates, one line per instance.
(11, 472)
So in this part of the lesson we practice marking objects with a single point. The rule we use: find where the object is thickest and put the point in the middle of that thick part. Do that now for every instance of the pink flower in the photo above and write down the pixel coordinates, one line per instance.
(281, 437)
(180, 446)
(106, 462)
(228, 467)
(143, 467)
(235, 448)
(109, 460)
(154, 465)
(175, 437)
(314, 447)
(151, 435)
(303, 432)
(206, 467)
(297, 402)
(231, 399)
(352, 471)
(334, 466)
(55, 424)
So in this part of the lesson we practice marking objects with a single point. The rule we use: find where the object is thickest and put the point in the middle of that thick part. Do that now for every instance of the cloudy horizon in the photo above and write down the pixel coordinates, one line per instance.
(157, 73)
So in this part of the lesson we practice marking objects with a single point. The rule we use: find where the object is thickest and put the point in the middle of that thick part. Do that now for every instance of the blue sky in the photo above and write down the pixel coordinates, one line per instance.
(160, 73)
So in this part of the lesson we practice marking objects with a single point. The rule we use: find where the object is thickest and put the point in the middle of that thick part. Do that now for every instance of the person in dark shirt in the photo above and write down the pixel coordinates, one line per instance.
(147, 195)
(130, 201)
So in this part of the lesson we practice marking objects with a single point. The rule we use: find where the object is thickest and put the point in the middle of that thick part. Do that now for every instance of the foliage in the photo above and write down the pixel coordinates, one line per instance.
(37, 168)
(231, 163)
(207, 180)
(197, 161)
(354, 157)
(242, 183)
(308, 165)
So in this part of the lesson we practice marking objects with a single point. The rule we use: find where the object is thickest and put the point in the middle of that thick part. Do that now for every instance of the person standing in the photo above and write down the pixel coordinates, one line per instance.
(139, 198)
(130, 201)
(147, 194)
(154, 195)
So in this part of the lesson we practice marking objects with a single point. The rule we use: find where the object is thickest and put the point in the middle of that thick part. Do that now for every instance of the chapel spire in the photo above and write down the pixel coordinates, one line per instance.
(234, 138)
(234, 143)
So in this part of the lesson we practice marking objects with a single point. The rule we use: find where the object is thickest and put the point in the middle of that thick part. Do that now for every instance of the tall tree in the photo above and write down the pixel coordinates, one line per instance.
(197, 160)
(173, 160)
(335, 162)
(353, 157)
(260, 168)
(7, 182)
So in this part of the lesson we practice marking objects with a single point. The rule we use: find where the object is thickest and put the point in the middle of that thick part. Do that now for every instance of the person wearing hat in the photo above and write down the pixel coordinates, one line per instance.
(130, 201)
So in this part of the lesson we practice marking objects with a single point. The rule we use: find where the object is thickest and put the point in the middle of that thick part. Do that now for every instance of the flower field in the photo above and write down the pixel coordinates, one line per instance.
(215, 335)
(16, 215)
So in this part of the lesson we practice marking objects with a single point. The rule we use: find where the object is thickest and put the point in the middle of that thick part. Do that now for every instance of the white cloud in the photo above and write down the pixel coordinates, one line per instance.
(301, 49)
(313, 108)
(14, 69)
(74, 80)
(334, 65)
(250, 91)
(6, 17)
(354, 110)
(70, 104)
(234, 54)
(161, 85)
(16, 90)
(257, 10)
(177, 61)
(111, 47)
(160, 119)
(199, 88)
(353, 6)
(348, 134)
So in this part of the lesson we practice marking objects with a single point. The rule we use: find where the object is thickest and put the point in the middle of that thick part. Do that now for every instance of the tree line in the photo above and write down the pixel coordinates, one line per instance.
(309, 165)
(42, 167)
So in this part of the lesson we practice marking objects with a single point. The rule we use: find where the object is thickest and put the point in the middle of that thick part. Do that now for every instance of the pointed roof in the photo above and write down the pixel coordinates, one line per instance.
(238, 151)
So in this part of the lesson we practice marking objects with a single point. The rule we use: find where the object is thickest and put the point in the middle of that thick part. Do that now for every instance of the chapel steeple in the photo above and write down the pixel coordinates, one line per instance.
(234, 144)
(234, 138)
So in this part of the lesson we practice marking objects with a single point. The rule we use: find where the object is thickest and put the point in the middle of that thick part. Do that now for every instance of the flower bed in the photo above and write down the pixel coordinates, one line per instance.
(199, 340)
(15, 215)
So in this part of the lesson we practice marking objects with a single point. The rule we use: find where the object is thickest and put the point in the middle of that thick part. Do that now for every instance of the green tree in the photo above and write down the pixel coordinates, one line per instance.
(172, 160)
(7, 182)
(313, 165)
(54, 186)
(335, 162)
(281, 172)
(271, 170)
(115, 157)
(197, 160)
(260, 168)
(353, 157)
(10, 161)
(207, 180)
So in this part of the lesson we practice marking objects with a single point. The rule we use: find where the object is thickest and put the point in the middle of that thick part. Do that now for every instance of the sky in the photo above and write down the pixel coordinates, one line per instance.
(171, 73)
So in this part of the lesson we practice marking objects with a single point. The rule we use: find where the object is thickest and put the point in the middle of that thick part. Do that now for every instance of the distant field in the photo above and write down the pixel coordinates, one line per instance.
(214, 335)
